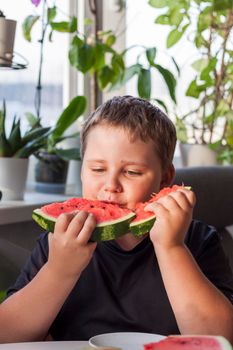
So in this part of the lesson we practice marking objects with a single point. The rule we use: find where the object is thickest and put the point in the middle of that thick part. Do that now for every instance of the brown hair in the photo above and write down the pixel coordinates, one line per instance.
(140, 119)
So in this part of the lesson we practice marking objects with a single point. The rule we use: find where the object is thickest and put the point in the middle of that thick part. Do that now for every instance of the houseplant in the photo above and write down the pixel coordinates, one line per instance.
(208, 25)
(15, 148)
(7, 37)
(53, 159)
(93, 53)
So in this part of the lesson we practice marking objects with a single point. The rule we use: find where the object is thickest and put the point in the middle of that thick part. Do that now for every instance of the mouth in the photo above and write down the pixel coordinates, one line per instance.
(114, 202)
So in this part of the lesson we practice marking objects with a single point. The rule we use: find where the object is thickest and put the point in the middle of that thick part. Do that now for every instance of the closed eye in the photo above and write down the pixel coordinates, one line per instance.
(133, 173)
(98, 170)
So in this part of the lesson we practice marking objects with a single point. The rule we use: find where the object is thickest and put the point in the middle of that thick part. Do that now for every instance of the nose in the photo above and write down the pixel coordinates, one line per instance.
(113, 184)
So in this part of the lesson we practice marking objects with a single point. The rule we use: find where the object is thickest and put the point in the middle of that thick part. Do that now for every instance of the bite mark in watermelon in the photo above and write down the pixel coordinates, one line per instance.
(112, 220)
(192, 342)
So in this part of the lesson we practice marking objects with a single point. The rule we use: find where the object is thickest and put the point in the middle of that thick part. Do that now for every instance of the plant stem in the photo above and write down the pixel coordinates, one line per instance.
(41, 41)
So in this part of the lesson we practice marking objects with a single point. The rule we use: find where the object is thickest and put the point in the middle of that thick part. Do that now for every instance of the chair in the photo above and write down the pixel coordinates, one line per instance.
(213, 186)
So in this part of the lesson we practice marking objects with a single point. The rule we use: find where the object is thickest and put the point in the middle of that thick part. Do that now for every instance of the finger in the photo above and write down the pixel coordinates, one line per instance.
(87, 230)
(190, 195)
(157, 208)
(185, 198)
(63, 222)
(77, 223)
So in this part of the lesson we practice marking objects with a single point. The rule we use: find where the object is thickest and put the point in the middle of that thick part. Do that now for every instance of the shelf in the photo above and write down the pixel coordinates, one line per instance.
(19, 211)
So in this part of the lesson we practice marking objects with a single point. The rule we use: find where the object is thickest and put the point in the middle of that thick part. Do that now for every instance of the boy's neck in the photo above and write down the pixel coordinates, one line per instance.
(128, 241)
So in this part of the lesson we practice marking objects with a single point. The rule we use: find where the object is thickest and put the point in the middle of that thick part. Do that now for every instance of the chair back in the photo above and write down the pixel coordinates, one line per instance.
(213, 186)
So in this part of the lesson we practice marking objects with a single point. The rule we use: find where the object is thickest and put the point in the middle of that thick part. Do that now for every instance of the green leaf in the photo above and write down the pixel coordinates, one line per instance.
(204, 19)
(163, 19)
(111, 39)
(173, 37)
(130, 72)
(161, 103)
(71, 113)
(35, 134)
(15, 136)
(150, 54)
(194, 90)
(222, 108)
(158, 3)
(181, 130)
(68, 154)
(88, 21)
(51, 13)
(33, 120)
(176, 17)
(220, 5)
(81, 55)
(3, 119)
(65, 27)
(176, 65)
(144, 83)
(27, 26)
(118, 63)
(99, 56)
(74, 50)
(169, 80)
(126, 75)
(200, 64)
(104, 76)
(206, 72)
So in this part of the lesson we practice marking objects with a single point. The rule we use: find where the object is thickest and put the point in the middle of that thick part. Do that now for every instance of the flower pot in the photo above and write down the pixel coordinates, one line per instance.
(7, 37)
(197, 155)
(13, 176)
(50, 173)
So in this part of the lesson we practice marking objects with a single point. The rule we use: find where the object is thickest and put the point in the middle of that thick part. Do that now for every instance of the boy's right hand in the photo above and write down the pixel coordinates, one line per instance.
(69, 248)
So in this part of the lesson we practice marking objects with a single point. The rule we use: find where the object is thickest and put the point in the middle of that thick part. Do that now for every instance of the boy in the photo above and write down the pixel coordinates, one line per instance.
(164, 282)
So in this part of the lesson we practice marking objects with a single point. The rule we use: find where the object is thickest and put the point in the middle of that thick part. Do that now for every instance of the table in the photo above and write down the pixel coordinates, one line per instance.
(50, 345)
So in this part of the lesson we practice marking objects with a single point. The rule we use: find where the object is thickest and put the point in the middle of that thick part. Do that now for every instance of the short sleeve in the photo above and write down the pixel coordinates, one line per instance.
(36, 260)
(204, 242)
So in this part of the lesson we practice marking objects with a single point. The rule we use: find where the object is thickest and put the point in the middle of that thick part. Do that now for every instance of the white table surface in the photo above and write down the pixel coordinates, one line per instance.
(51, 345)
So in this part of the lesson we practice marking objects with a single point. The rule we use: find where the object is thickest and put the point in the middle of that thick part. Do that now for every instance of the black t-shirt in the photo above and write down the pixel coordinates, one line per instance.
(123, 290)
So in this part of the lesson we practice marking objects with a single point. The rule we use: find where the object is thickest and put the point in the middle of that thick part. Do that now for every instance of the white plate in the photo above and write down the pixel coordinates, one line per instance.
(124, 340)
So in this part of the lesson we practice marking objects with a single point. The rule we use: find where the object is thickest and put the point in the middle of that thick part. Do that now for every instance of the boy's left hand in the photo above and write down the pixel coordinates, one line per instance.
(173, 217)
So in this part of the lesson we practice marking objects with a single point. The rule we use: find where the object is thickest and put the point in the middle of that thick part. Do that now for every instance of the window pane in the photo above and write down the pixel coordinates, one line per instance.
(18, 87)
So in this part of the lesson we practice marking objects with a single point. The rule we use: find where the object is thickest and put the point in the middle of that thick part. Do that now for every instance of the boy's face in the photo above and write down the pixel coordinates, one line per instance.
(117, 170)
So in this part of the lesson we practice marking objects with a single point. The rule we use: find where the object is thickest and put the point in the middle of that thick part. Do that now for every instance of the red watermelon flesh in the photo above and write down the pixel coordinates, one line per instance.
(201, 342)
(144, 220)
(101, 210)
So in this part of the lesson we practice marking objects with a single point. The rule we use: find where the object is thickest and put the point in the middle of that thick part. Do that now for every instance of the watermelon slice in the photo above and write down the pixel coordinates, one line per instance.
(190, 342)
(144, 220)
(112, 220)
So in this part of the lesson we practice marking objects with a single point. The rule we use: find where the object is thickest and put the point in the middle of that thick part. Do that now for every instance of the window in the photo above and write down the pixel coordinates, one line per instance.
(18, 87)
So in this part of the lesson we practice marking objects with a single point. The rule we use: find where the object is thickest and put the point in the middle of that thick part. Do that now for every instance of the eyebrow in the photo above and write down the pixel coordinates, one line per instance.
(128, 162)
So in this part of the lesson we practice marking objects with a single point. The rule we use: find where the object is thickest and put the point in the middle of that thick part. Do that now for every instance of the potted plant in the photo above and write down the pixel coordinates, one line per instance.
(93, 53)
(208, 24)
(7, 37)
(51, 168)
(15, 149)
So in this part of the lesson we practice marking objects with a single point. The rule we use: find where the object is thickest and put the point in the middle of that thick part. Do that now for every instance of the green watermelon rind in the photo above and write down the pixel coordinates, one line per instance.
(141, 227)
(103, 232)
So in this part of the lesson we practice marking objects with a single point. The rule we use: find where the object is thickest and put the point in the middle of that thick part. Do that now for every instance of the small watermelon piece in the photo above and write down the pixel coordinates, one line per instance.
(190, 342)
(112, 220)
(144, 221)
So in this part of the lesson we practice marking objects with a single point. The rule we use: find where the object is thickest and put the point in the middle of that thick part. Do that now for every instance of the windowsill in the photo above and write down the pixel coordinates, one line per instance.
(21, 210)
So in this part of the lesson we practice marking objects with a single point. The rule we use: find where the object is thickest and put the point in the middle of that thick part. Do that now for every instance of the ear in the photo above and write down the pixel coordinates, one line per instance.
(168, 176)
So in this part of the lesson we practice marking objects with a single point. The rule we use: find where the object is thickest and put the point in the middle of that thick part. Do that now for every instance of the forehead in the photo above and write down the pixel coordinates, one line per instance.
(107, 141)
